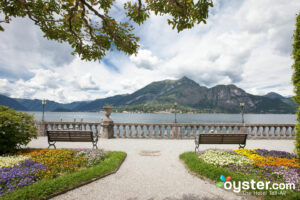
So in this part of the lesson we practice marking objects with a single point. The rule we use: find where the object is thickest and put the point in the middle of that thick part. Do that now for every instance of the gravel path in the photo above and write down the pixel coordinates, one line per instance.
(153, 170)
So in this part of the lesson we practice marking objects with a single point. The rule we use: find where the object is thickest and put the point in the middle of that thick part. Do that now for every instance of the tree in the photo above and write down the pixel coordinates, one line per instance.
(87, 26)
(296, 79)
(16, 129)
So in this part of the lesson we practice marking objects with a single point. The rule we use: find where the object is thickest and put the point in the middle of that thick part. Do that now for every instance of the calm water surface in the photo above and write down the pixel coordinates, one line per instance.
(168, 118)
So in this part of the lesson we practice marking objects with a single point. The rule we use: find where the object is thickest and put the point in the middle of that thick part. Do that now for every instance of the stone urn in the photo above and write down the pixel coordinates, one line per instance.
(107, 124)
(107, 110)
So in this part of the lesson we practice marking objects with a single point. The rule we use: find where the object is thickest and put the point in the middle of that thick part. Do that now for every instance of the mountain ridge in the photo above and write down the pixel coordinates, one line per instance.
(224, 98)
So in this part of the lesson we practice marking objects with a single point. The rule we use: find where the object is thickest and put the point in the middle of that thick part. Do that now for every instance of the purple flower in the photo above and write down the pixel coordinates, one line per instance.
(273, 153)
(22, 174)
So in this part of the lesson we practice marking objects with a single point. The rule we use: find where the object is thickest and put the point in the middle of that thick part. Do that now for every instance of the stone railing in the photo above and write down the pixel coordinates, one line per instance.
(189, 131)
(43, 126)
(109, 129)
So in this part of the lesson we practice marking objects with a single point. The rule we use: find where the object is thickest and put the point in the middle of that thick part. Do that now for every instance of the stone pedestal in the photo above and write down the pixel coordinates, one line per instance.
(41, 129)
(107, 124)
(176, 132)
(107, 128)
(244, 130)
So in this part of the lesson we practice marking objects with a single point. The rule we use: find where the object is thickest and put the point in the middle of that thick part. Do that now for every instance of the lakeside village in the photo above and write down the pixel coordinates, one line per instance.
(164, 109)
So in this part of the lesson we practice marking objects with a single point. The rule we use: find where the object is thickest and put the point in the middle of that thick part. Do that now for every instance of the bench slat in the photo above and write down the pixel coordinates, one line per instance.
(222, 138)
(70, 136)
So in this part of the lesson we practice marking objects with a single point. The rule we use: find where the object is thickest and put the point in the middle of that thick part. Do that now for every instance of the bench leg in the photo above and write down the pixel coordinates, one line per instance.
(197, 149)
(95, 145)
(242, 146)
(52, 144)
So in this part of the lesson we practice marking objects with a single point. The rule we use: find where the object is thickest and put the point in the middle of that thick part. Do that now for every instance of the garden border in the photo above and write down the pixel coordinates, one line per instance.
(289, 195)
(86, 182)
(120, 158)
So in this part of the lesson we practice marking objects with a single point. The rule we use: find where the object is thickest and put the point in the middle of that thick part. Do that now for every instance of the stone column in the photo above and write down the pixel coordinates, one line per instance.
(244, 129)
(107, 124)
(176, 131)
(41, 129)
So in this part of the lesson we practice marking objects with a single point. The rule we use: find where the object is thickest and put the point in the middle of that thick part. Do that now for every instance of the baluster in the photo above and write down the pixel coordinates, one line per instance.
(252, 131)
(142, 131)
(171, 132)
(165, 131)
(100, 129)
(123, 131)
(282, 131)
(258, 133)
(230, 129)
(197, 131)
(147, 131)
(288, 131)
(153, 135)
(135, 132)
(270, 132)
(118, 131)
(264, 131)
(129, 130)
(227, 131)
(185, 133)
(204, 129)
(222, 128)
(293, 131)
(160, 131)
(153, 132)
(276, 132)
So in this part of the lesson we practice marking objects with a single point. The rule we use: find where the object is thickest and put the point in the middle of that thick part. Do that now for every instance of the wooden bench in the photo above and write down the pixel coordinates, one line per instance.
(71, 136)
(218, 138)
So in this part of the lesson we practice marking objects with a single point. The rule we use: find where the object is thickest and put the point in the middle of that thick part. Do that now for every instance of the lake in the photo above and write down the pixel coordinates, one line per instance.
(168, 118)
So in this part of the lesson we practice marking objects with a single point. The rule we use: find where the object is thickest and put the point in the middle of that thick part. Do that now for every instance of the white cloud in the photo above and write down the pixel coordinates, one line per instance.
(247, 43)
(144, 59)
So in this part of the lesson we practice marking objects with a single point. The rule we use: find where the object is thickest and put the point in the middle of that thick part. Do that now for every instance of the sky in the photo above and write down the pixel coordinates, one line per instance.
(245, 42)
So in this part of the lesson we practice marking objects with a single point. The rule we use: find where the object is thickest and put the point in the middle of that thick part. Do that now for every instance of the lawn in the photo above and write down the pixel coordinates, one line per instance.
(41, 173)
(255, 172)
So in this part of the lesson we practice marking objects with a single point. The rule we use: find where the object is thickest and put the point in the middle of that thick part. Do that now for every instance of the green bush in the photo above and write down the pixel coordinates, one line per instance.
(296, 79)
(16, 129)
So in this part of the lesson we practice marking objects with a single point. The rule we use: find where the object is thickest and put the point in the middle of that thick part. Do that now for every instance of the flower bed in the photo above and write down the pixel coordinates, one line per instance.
(29, 167)
(224, 158)
(273, 166)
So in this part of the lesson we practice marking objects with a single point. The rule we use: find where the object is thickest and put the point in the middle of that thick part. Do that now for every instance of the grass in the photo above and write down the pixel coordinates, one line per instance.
(46, 188)
(212, 172)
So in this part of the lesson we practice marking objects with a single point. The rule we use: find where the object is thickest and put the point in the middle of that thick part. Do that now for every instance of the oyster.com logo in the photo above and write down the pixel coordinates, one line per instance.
(223, 180)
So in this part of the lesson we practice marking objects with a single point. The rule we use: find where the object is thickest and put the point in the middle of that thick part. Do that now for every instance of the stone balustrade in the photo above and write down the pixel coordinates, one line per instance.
(109, 129)
(189, 131)
(43, 126)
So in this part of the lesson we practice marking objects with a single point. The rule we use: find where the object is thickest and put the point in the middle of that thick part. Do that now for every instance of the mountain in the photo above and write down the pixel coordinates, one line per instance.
(274, 95)
(288, 100)
(188, 93)
(12, 103)
(36, 105)
(225, 98)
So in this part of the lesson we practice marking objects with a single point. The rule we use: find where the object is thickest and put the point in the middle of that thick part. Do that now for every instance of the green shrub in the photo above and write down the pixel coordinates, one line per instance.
(296, 79)
(16, 129)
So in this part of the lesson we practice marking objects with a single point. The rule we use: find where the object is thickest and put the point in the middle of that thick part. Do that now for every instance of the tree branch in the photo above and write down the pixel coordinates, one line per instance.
(87, 23)
(70, 22)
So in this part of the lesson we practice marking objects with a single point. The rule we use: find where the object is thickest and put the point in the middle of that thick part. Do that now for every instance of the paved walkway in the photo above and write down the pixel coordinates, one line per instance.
(160, 175)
